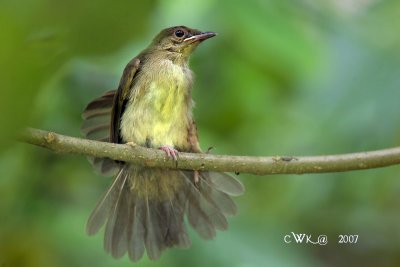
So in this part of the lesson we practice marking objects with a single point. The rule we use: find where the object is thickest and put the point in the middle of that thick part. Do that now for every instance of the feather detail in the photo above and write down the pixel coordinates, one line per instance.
(145, 210)
(96, 126)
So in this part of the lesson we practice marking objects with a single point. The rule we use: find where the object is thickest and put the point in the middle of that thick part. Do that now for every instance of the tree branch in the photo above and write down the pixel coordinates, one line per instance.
(239, 164)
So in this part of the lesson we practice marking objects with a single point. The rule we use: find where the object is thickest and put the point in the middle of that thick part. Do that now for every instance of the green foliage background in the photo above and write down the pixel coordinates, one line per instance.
(282, 78)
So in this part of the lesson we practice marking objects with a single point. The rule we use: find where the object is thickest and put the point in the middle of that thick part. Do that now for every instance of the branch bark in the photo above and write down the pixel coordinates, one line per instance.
(223, 163)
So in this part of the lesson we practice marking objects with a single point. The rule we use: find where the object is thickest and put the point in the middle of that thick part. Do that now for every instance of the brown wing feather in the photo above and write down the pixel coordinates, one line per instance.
(99, 106)
(96, 126)
(121, 97)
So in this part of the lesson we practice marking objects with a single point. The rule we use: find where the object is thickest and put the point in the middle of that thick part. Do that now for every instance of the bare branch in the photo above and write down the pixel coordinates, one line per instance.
(239, 164)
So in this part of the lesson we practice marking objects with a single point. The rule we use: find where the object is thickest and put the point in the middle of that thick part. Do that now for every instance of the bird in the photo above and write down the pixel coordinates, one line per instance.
(150, 209)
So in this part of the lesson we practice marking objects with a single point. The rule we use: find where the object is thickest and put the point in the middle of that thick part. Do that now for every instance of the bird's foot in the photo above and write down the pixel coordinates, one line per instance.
(131, 144)
(170, 151)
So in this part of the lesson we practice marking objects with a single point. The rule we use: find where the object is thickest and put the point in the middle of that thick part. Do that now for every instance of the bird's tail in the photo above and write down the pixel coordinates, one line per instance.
(145, 209)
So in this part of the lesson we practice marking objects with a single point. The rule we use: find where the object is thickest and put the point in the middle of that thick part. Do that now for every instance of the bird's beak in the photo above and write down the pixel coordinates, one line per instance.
(199, 37)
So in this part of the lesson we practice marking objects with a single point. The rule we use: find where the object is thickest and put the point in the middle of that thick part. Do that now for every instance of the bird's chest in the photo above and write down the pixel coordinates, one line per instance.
(159, 110)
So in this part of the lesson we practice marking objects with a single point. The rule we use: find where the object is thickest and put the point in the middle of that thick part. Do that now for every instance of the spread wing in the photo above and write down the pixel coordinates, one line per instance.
(121, 98)
(96, 117)
(96, 126)
(102, 117)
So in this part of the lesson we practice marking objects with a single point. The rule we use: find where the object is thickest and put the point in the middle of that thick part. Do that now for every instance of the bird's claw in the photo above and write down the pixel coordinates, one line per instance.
(170, 151)
(131, 144)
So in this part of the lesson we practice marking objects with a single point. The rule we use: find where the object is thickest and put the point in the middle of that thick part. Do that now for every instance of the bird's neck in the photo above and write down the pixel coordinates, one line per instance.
(179, 58)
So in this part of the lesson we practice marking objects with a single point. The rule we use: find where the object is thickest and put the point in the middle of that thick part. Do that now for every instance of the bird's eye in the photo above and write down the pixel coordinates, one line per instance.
(179, 33)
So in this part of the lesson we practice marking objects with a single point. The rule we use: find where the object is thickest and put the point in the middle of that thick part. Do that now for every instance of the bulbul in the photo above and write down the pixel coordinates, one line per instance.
(148, 209)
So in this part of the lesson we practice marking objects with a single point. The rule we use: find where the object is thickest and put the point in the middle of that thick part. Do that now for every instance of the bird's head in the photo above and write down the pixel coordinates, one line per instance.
(180, 40)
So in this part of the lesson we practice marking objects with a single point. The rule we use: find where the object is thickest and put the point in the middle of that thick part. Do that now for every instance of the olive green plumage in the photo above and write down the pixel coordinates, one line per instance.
(144, 209)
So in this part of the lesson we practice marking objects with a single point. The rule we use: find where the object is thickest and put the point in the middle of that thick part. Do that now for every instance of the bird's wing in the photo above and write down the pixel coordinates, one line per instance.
(102, 117)
(96, 126)
(121, 98)
(96, 117)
